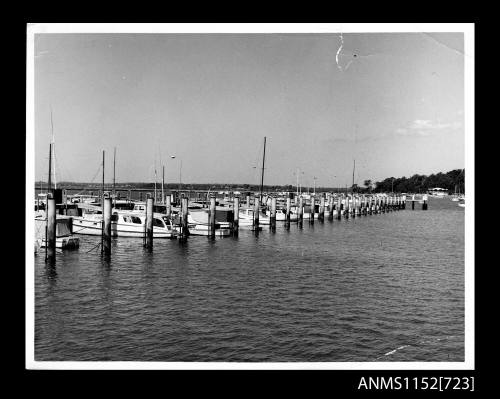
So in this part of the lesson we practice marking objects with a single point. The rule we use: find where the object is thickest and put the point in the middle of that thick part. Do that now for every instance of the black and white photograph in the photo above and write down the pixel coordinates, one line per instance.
(250, 196)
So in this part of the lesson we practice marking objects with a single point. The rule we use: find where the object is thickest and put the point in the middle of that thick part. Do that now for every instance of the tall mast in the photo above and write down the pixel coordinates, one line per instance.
(354, 167)
(297, 182)
(102, 205)
(155, 181)
(49, 183)
(180, 177)
(162, 184)
(262, 178)
(114, 174)
(103, 178)
(53, 148)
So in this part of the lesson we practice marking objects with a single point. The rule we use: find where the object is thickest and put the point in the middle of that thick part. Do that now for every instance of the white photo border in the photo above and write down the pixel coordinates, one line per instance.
(46, 28)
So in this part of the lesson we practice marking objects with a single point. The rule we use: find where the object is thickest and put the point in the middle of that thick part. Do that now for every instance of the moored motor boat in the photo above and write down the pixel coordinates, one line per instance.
(124, 224)
(64, 235)
(281, 215)
(246, 217)
(198, 224)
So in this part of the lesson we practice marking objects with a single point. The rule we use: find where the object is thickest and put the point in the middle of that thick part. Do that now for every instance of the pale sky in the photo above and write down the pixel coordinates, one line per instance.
(394, 102)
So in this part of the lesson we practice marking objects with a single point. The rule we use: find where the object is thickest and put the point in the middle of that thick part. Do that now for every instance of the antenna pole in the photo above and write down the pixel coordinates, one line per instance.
(155, 182)
(353, 169)
(163, 184)
(49, 183)
(53, 147)
(297, 182)
(180, 176)
(262, 178)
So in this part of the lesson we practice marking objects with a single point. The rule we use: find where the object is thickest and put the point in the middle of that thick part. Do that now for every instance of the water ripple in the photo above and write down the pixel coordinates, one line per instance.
(377, 288)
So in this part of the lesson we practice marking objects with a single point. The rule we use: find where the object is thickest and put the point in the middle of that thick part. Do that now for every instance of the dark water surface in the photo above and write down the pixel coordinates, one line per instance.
(386, 287)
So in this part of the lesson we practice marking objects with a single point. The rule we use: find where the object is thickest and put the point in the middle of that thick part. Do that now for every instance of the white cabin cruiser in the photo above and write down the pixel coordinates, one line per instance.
(124, 224)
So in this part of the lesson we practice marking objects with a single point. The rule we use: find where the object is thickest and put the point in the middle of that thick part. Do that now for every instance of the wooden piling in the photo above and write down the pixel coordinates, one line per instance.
(288, 210)
(248, 201)
(211, 217)
(339, 208)
(300, 211)
(273, 214)
(424, 204)
(50, 239)
(311, 217)
(236, 216)
(149, 222)
(321, 213)
(256, 213)
(106, 231)
(168, 199)
(184, 218)
(331, 207)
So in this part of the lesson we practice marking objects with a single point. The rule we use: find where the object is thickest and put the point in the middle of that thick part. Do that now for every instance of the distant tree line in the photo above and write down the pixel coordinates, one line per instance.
(452, 180)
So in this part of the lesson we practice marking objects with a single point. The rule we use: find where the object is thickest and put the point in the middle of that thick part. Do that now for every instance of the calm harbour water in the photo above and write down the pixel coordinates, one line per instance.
(386, 287)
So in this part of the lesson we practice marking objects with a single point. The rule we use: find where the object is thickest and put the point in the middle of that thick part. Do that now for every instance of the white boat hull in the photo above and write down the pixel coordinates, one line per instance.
(69, 242)
(202, 230)
(94, 228)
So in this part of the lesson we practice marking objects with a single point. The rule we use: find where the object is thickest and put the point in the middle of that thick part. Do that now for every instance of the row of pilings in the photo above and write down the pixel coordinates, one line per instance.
(334, 206)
